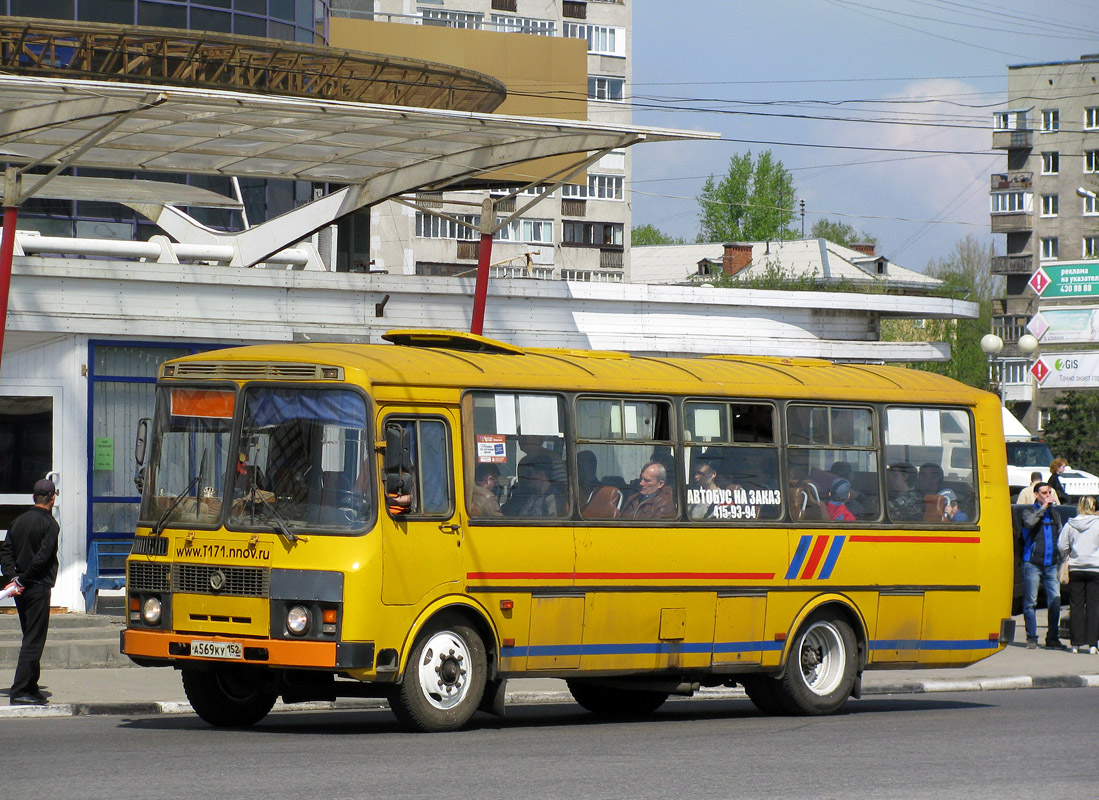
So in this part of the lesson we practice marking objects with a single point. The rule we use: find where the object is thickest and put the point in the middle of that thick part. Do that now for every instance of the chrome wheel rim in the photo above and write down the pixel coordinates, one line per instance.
(443, 670)
(822, 658)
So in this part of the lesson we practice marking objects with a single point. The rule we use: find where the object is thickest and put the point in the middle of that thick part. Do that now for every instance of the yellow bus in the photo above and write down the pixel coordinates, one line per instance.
(425, 519)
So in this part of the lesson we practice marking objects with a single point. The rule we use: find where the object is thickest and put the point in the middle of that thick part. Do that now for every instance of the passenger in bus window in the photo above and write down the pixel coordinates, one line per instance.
(836, 505)
(483, 502)
(534, 495)
(952, 512)
(929, 480)
(705, 488)
(587, 474)
(905, 503)
(655, 499)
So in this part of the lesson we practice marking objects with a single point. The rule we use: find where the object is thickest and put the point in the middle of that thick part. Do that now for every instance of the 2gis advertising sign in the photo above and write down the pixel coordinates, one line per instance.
(1067, 371)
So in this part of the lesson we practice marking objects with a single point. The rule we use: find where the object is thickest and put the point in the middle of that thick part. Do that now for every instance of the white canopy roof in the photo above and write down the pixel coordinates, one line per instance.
(377, 151)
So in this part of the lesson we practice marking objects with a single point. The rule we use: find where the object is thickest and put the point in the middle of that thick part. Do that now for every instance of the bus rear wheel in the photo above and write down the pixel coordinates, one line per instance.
(232, 697)
(444, 681)
(822, 668)
(615, 701)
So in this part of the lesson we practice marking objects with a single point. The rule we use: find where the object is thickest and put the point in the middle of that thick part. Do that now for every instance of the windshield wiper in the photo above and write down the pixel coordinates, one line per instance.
(279, 521)
(160, 523)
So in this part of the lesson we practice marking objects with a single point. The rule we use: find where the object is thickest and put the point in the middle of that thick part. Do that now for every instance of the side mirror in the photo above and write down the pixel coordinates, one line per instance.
(142, 437)
(397, 467)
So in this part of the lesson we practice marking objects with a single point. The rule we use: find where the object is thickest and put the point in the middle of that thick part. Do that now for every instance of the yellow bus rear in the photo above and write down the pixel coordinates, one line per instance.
(423, 520)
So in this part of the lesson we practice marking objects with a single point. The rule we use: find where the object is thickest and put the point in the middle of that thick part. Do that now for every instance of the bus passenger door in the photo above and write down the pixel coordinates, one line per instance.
(421, 534)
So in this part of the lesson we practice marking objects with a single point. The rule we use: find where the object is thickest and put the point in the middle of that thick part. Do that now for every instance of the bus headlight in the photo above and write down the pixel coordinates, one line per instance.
(297, 621)
(150, 611)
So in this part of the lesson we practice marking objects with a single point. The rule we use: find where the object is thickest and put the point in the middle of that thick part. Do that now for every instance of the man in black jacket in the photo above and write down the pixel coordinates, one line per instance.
(29, 557)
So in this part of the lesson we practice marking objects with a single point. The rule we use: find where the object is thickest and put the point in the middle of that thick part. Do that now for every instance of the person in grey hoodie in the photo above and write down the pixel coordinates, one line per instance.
(1079, 543)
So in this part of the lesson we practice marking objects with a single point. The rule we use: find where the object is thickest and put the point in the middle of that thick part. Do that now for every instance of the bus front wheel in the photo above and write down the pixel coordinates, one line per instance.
(444, 681)
(822, 668)
(228, 698)
(614, 701)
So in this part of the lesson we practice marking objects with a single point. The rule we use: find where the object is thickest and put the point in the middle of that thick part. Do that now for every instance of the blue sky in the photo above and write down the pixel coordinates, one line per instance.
(930, 72)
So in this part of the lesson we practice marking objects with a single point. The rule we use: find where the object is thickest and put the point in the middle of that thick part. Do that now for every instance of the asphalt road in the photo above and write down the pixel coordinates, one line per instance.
(973, 745)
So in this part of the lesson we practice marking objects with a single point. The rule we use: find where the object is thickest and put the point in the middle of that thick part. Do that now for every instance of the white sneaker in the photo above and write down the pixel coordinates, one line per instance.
(1093, 650)
(1075, 649)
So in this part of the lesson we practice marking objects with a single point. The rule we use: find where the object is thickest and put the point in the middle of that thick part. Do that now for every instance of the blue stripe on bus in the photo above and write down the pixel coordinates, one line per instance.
(799, 556)
(665, 648)
(833, 556)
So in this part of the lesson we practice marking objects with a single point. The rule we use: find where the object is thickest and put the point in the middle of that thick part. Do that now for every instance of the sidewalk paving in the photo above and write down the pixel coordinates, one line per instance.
(140, 691)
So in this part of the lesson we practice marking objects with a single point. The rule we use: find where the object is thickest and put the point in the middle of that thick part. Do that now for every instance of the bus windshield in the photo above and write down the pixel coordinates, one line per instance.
(303, 460)
(191, 447)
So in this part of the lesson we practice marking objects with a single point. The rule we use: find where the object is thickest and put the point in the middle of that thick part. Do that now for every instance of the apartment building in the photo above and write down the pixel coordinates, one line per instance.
(558, 59)
(1046, 203)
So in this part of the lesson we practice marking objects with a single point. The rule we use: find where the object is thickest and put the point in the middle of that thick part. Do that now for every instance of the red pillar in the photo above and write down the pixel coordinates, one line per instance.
(480, 293)
(7, 248)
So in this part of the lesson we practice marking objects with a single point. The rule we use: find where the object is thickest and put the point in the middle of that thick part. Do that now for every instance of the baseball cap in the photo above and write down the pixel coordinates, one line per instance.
(44, 488)
(840, 491)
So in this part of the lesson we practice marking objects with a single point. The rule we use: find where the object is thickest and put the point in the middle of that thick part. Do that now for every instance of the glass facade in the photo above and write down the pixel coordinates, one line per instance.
(304, 21)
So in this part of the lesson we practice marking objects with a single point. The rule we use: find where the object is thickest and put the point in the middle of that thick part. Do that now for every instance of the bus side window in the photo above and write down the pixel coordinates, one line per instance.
(425, 467)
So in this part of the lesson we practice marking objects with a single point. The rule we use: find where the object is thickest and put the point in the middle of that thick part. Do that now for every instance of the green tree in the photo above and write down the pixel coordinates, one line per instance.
(1073, 428)
(752, 202)
(650, 234)
(966, 273)
(840, 233)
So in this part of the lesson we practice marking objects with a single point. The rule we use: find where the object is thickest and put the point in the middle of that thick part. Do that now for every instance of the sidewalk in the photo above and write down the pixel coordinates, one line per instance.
(140, 691)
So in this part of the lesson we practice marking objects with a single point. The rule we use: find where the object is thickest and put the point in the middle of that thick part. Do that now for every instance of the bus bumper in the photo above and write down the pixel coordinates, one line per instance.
(151, 646)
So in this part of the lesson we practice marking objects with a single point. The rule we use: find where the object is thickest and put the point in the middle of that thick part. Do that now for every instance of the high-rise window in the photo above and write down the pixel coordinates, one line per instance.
(1049, 248)
(1091, 118)
(1050, 205)
(1051, 120)
(1051, 163)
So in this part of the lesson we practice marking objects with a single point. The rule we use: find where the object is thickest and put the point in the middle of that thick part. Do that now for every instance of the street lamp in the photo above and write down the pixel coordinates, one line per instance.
(1080, 190)
(992, 345)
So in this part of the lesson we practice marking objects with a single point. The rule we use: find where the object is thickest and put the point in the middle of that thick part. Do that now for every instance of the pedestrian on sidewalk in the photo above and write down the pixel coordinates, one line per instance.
(1041, 528)
(1079, 543)
(28, 556)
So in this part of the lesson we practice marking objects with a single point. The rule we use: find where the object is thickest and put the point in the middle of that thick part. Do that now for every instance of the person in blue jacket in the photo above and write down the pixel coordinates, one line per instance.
(1040, 530)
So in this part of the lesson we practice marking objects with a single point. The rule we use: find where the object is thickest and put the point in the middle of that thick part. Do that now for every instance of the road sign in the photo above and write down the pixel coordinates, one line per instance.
(1066, 279)
(1040, 371)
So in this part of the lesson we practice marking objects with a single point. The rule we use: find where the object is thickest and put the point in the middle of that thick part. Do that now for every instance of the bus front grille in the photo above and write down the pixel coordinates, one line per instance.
(233, 581)
(148, 577)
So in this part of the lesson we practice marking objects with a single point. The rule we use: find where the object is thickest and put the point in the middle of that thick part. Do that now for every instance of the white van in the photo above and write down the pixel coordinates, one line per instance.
(1027, 454)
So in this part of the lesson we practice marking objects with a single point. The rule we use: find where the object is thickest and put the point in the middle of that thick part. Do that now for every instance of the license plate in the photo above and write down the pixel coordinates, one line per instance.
(217, 649)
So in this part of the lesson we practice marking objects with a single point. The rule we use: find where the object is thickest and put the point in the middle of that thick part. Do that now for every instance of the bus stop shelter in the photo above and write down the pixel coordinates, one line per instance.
(374, 152)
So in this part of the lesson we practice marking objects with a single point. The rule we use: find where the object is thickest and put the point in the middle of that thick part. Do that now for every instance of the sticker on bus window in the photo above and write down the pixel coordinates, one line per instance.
(491, 448)
(208, 403)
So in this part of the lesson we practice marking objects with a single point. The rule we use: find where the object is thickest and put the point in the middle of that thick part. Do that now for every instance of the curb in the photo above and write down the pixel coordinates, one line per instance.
(130, 709)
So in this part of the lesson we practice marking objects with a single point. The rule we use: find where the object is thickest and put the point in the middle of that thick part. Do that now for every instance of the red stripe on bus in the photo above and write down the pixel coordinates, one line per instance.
(814, 558)
(646, 576)
(918, 539)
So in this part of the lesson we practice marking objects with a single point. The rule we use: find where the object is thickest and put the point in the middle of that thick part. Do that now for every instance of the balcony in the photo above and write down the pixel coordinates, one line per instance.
(1012, 140)
(1012, 180)
(1017, 305)
(1014, 222)
(1019, 264)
